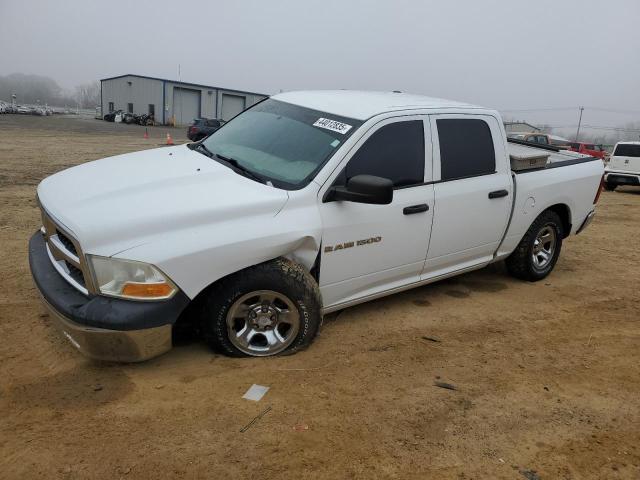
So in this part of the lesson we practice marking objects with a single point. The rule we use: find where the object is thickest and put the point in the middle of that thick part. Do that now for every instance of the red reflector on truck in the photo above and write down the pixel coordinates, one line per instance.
(600, 187)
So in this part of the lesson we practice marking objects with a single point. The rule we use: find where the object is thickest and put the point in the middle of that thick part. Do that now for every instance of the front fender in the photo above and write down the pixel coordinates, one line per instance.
(195, 258)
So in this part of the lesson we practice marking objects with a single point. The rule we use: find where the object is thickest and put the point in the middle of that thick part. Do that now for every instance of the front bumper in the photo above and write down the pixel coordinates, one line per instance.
(100, 327)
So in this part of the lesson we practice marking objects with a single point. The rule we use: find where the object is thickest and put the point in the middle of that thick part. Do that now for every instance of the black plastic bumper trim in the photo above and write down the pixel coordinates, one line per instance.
(97, 311)
(622, 179)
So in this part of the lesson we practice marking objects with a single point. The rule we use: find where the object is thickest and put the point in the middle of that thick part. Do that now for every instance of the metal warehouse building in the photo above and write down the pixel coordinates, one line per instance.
(172, 102)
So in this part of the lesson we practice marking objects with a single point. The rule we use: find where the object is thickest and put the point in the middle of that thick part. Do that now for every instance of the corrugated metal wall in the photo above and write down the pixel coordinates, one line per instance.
(140, 91)
(144, 91)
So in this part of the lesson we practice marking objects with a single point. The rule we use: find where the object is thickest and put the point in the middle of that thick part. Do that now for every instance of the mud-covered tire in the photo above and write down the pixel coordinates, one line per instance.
(280, 276)
(521, 263)
(610, 187)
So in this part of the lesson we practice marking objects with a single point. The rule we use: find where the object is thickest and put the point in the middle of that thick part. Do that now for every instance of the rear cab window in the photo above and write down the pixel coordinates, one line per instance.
(627, 150)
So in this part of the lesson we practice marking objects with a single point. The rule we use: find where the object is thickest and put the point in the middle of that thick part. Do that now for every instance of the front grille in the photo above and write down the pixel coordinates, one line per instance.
(75, 273)
(65, 253)
(68, 244)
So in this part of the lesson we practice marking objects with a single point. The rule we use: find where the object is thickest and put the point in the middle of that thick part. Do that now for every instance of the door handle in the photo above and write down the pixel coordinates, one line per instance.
(498, 194)
(415, 209)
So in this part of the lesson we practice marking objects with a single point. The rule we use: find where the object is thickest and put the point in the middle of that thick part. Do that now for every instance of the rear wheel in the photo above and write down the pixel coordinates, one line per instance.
(537, 253)
(610, 187)
(269, 309)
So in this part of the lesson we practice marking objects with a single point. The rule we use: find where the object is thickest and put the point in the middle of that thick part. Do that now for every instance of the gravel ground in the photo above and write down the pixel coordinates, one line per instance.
(547, 375)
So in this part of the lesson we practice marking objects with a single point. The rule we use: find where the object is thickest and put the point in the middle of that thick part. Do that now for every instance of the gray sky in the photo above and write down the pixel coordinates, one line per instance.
(506, 55)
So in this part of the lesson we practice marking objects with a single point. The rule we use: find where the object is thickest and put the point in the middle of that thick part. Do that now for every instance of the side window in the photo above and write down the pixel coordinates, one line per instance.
(542, 139)
(395, 151)
(466, 148)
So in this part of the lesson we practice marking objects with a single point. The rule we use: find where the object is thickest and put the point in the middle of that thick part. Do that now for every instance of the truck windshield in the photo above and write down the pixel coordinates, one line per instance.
(282, 143)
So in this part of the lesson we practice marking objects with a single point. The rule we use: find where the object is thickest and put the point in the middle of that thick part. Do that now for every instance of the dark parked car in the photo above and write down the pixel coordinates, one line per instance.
(203, 127)
(110, 117)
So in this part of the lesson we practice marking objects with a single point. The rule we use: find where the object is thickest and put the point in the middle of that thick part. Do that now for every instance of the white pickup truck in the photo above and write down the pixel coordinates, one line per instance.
(306, 203)
(624, 166)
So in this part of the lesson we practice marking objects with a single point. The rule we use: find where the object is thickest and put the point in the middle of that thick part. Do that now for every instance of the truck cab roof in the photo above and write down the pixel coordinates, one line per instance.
(363, 105)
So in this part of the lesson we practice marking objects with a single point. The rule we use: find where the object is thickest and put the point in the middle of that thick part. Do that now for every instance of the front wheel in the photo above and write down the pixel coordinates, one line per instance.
(537, 253)
(269, 309)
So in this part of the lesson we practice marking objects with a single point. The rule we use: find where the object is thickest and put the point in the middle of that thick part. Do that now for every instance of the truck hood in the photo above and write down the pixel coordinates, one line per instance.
(120, 202)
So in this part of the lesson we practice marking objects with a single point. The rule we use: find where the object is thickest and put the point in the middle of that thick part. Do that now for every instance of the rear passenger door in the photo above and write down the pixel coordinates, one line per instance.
(473, 192)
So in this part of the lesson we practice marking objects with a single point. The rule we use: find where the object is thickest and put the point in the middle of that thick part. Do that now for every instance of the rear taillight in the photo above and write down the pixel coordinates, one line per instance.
(600, 187)
(192, 129)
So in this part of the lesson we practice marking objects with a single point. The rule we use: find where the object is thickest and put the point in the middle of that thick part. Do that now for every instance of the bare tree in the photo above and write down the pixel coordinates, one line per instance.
(31, 89)
(88, 95)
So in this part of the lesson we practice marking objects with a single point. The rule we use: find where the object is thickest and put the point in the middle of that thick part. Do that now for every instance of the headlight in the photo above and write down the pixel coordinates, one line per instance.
(130, 279)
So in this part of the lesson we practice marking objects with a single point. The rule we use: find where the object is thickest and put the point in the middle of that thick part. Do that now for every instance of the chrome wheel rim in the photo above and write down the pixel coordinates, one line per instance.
(544, 246)
(262, 323)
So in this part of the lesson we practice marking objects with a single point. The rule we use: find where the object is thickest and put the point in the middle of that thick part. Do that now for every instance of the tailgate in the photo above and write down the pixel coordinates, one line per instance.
(626, 158)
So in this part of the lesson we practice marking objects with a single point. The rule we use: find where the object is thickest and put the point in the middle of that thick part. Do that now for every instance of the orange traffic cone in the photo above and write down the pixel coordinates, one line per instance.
(146, 133)
(169, 139)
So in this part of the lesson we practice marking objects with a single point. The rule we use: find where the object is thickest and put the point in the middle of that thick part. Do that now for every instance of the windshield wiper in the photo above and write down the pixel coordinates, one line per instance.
(240, 168)
(200, 147)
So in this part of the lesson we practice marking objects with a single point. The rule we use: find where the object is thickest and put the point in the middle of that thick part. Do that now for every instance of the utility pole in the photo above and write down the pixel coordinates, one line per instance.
(174, 107)
(579, 123)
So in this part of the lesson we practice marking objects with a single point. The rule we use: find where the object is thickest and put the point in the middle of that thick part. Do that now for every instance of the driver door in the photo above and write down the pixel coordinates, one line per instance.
(368, 249)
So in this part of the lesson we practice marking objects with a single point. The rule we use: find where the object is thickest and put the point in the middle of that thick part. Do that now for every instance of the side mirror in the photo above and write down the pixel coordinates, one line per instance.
(363, 189)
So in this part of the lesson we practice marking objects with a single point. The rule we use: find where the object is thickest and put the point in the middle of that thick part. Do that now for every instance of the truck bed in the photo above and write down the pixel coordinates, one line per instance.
(537, 189)
(557, 157)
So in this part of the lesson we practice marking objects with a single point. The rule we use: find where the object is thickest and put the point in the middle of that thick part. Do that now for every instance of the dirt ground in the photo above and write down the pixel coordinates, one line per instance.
(547, 374)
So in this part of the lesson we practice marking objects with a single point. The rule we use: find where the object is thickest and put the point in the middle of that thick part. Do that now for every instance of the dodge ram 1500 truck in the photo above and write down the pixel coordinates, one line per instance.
(306, 203)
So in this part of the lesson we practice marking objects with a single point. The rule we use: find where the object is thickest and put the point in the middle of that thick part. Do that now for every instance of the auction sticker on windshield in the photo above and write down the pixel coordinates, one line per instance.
(332, 125)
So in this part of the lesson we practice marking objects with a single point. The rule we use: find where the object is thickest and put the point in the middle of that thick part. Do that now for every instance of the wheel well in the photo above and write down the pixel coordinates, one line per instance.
(204, 291)
(190, 315)
(564, 213)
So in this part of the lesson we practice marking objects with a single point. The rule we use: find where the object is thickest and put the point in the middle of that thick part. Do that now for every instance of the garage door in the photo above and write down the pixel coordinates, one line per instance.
(231, 105)
(186, 105)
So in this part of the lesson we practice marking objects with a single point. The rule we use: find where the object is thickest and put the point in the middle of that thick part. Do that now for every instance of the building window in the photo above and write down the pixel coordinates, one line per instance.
(130, 107)
(466, 148)
(152, 109)
(111, 109)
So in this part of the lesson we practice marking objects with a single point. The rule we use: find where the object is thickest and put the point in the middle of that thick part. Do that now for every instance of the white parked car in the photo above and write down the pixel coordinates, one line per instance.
(306, 203)
(624, 165)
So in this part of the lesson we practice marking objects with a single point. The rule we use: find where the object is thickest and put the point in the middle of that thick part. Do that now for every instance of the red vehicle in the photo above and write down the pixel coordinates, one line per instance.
(588, 149)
